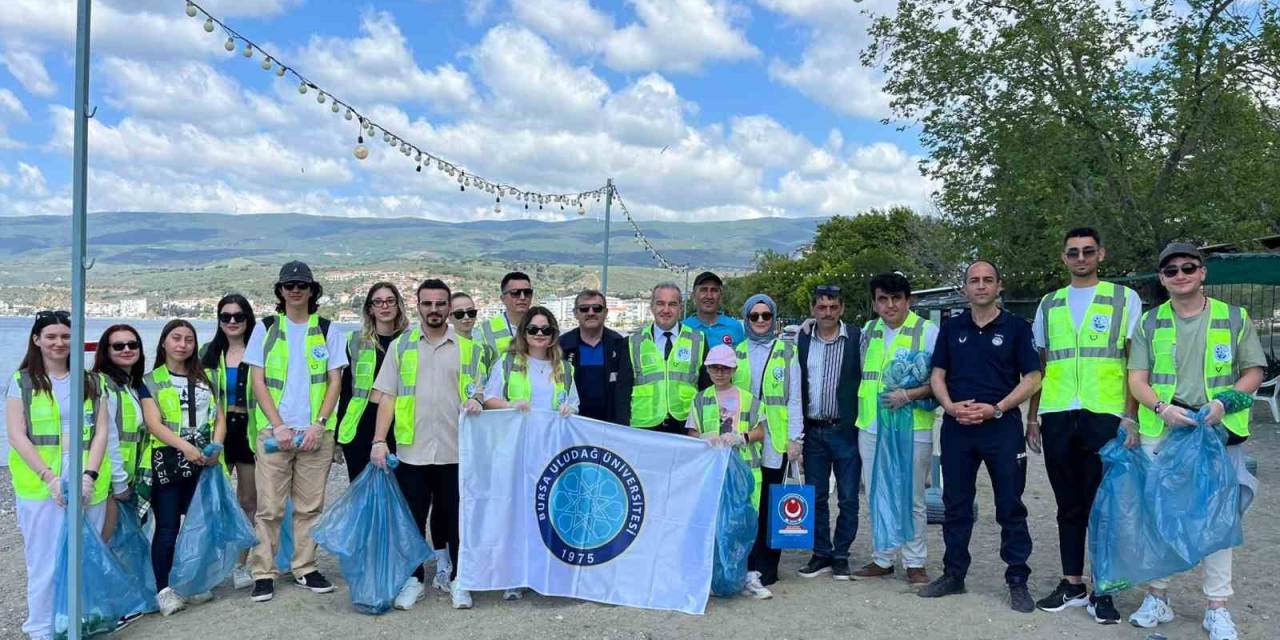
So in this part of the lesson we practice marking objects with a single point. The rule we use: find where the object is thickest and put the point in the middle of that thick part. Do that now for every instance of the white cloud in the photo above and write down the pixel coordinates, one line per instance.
(678, 35)
(531, 83)
(30, 181)
(27, 69)
(574, 22)
(764, 142)
(647, 113)
(11, 107)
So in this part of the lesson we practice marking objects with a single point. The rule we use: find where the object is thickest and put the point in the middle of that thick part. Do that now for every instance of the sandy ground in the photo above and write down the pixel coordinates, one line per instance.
(817, 608)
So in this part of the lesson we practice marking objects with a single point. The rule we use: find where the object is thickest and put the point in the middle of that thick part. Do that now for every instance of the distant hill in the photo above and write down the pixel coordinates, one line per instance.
(191, 240)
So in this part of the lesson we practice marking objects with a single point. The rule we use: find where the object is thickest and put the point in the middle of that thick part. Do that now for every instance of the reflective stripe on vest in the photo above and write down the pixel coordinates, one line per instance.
(875, 359)
(706, 415)
(129, 425)
(405, 347)
(219, 378)
(1226, 327)
(496, 332)
(160, 384)
(663, 387)
(774, 390)
(44, 430)
(275, 349)
(1086, 364)
(363, 356)
(516, 386)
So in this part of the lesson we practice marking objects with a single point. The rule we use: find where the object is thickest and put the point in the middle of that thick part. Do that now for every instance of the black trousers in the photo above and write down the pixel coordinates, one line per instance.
(356, 452)
(762, 558)
(672, 425)
(999, 445)
(435, 485)
(1072, 440)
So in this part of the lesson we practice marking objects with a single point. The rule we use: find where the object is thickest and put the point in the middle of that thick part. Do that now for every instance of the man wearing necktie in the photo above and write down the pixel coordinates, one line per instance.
(665, 384)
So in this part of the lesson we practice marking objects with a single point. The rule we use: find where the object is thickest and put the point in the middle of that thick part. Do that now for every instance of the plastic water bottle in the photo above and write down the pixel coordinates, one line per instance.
(273, 446)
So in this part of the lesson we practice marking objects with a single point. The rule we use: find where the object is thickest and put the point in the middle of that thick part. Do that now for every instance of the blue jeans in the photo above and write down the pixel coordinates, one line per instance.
(169, 502)
(827, 450)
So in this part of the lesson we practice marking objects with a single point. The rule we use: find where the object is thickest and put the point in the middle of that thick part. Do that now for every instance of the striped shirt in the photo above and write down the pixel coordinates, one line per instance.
(825, 360)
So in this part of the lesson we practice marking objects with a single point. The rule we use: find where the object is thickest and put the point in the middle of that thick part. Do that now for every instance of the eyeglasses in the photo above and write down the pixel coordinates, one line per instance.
(544, 330)
(294, 286)
(519, 293)
(132, 345)
(590, 308)
(434, 304)
(760, 316)
(718, 368)
(383, 303)
(1088, 252)
(1186, 267)
(465, 313)
(233, 318)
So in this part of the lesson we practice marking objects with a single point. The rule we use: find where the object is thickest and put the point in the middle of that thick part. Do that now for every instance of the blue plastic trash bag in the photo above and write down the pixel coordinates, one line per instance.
(107, 591)
(132, 549)
(892, 478)
(371, 531)
(212, 536)
(735, 530)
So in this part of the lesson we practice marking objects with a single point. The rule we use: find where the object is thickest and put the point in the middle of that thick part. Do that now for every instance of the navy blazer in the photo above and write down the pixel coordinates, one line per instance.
(850, 375)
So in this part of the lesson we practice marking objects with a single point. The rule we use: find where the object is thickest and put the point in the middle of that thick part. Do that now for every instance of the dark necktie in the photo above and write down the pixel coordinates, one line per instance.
(666, 351)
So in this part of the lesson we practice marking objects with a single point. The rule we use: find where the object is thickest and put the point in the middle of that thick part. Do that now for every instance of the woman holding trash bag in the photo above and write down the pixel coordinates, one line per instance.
(768, 370)
(726, 415)
(533, 374)
(223, 360)
(180, 405)
(383, 319)
(118, 364)
(39, 420)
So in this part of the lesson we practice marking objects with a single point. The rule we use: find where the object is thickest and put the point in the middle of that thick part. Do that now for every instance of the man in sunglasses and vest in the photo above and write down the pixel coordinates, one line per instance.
(517, 297)
(296, 363)
(1188, 353)
(1082, 332)
(601, 366)
(666, 358)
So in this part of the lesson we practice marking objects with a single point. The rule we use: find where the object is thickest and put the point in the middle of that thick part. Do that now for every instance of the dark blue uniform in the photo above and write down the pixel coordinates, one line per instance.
(984, 364)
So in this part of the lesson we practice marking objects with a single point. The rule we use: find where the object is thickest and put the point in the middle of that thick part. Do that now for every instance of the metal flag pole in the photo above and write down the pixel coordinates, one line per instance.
(608, 207)
(79, 214)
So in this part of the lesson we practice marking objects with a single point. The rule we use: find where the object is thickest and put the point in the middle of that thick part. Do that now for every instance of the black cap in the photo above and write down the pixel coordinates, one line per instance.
(1175, 249)
(295, 272)
(707, 276)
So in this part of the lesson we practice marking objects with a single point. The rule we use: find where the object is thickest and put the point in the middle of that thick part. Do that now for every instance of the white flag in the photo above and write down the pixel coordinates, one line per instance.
(585, 509)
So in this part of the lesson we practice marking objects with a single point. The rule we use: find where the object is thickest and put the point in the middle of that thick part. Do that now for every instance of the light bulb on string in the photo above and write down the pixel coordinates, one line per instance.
(497, 206)
(248, 50)
(320, 97)
(208, 25)
(302, 87)
(349, 115)
(334, 106)
(230, 44)
(386, 137)
(280, 71)
(361, 151)
(266, 63)
(191, 10)
(419, 170)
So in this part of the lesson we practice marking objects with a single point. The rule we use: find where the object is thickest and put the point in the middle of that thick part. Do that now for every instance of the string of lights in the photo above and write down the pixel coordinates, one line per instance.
(643, 240)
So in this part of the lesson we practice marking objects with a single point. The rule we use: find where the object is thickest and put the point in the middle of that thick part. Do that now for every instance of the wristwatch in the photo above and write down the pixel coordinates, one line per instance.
(996, 412)
(93, 475)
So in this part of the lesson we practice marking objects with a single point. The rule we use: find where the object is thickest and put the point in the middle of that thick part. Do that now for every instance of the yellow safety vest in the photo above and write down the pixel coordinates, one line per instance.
(876, 358)
(1088, 364)
(275, 348)
(44, 430)
(1226, 327)
(706, 415)
(471, 368)
(130, 427)
(516, 386)
(219, 378)
(664, 387)
(363, 356)
(775, 386)
(497, 334)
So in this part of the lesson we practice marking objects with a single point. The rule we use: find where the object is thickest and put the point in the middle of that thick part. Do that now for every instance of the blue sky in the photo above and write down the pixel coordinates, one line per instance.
(699, 109)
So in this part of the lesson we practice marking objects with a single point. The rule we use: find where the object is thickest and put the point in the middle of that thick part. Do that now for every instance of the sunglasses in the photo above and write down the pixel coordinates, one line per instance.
(760, 316)
(383, 303)
(590, 308)
(1087, 252)
(131, 345)
(519, 293)
(295, 286)
(233, 318)
(1186, 267)
(60, 315)
(545, 330)
(465, 313)
(434, 304)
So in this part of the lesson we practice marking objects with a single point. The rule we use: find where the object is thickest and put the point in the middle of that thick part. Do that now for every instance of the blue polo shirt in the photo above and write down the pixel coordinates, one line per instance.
(725, 330)
(985, 363)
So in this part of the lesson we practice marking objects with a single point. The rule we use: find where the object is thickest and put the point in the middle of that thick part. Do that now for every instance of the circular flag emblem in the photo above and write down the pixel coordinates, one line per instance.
(1101, 322)
(997, 340)
(1221, 352)
(778, 373)
(792, 509)
(682, 354)
(319, 352)
(590, 505)
(727, 340)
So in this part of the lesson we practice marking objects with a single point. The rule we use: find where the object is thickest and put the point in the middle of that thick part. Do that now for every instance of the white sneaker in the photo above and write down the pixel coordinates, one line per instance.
(1219, 625)
(513, 594)
(240, 578)
(754, 589)
(410, 594)
(1152, 612)
(200, 598)
(170, 602)
(441, 580)
(461, 597)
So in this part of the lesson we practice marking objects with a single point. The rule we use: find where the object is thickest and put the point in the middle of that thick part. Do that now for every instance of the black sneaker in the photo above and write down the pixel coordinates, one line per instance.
(263, 590)
(943, 586)
(127, 620)
(840, 569)
(315, 581)
(1103, 611)
(817, 566)
(1020, 598)
(1067, 595)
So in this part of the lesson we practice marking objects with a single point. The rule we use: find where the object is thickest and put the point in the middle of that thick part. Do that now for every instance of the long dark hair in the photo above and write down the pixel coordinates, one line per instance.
(313, 304)
(369, 327)
(211, 358)
(520, 344)
(195, 371)
(102, 359)
(33, 360)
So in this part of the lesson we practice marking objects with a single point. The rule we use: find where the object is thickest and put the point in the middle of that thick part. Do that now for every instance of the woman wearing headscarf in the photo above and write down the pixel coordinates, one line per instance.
(769, 370)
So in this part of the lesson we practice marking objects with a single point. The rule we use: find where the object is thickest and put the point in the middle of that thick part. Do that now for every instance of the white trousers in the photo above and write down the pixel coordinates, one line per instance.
(915, 552)
(41, 523)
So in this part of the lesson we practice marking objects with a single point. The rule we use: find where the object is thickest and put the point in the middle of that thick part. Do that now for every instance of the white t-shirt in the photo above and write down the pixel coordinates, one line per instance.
(541, 388)
(1078, 300)
(295, 401)
(206, 410)
(930, 340)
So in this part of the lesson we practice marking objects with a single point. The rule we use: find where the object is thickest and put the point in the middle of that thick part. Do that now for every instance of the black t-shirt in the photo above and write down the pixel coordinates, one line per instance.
(985, 363)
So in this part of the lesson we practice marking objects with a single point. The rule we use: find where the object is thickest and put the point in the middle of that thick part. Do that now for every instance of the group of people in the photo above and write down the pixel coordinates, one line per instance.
(281, 393)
